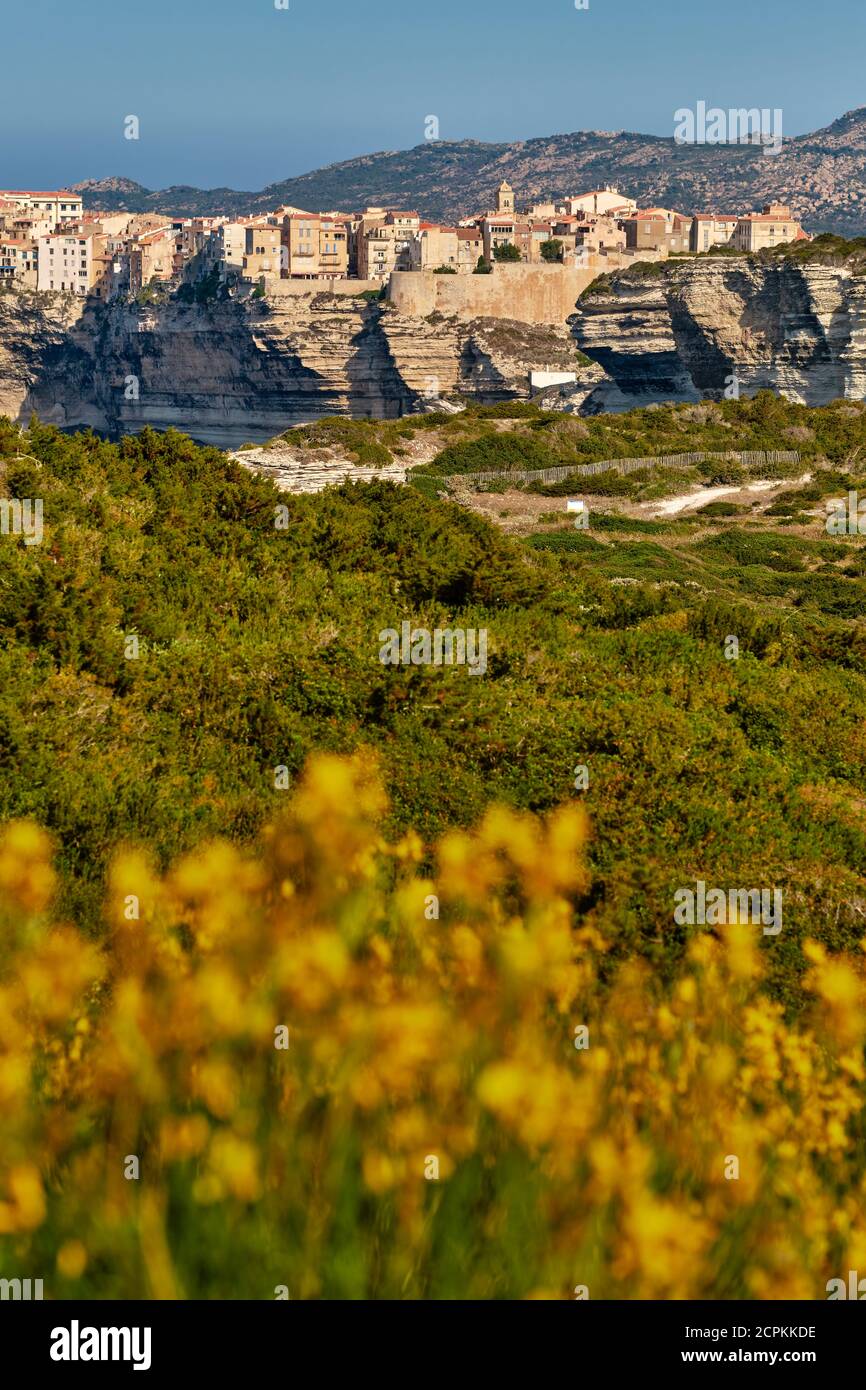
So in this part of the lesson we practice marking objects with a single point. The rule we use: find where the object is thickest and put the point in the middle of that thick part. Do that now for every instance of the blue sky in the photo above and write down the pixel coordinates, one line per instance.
(240, 93)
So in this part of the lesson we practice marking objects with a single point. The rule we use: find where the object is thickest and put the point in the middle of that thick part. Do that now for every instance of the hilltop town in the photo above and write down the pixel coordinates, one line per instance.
(50, 243)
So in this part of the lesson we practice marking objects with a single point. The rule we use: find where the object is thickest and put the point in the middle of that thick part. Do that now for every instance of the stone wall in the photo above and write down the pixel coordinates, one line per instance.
(276, 288)
(524, 293)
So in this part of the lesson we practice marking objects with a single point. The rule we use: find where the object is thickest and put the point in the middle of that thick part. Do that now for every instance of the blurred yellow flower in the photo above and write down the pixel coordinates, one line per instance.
(364, 1054)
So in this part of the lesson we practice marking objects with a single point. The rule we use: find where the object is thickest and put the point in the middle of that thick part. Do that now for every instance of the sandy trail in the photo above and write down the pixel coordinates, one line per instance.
(702, 495)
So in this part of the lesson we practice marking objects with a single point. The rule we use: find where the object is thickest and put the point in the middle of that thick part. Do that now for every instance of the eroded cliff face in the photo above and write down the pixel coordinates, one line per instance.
(244, 370)
(684, 329)
(36, 344)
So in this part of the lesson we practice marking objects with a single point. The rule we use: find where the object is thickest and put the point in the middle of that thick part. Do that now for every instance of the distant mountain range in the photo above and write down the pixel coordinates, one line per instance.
(822, 175)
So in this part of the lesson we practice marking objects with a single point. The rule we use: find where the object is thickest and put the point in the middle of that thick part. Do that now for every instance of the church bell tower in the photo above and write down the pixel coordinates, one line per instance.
(505, 199)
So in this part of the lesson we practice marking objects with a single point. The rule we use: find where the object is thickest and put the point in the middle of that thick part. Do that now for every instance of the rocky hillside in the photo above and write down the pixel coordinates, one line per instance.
(822, 174)
(680, 331)
(244, 370)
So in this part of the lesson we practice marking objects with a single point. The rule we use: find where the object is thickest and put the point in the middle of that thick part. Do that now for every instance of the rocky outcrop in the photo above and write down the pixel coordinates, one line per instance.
(245, 369)
(293, 470)
(682, 331)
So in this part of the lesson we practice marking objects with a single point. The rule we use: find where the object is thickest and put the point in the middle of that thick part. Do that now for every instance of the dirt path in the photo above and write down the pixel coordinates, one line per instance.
(735, 491)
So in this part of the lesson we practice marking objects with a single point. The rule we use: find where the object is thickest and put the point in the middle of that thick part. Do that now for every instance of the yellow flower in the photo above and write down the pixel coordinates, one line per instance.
(26, 1207)
(412, 1038)
(27, 879)
(381, 1172)
(71, 1259)
(182, 1137)
(216, 1083)
(234, 1164)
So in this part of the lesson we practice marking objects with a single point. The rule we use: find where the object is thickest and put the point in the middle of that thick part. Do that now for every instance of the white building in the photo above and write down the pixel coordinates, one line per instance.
(228, 244)
(600, 202)
(59, 207)
(66, 262)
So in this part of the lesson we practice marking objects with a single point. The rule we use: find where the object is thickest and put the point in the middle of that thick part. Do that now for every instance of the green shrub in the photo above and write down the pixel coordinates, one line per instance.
(502, 452)
(721, 508)
(551, 250)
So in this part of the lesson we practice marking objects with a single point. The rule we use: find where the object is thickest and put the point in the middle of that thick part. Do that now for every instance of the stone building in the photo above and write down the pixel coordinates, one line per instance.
(19, 261)
(712, 229)
(262, 251)
(773, 226)
(434, 247)
(657, 229)
(315, 246)
(151, 257)
(470, 247)
(384, 241)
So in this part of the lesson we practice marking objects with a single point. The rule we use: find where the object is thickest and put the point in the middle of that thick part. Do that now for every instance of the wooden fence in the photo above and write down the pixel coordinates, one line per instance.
(755, 458)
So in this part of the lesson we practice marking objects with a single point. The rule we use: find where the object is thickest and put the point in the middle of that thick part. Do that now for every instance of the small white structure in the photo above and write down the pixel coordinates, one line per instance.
(573, 504)
(539, 381)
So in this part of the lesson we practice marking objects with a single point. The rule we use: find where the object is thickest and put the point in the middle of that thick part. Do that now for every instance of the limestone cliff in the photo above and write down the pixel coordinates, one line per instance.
(681, 330)
(246, 369)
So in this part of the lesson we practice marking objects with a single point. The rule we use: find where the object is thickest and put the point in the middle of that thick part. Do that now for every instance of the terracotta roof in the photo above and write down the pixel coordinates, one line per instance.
(67, 236)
